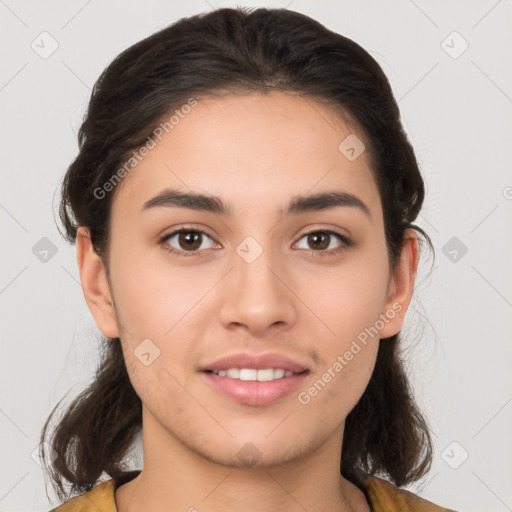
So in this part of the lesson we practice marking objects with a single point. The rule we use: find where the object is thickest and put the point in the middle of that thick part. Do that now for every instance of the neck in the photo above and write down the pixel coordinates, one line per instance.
(180, 479)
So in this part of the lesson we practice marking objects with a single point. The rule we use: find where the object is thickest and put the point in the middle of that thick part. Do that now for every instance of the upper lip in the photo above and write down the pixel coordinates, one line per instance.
(256, 361)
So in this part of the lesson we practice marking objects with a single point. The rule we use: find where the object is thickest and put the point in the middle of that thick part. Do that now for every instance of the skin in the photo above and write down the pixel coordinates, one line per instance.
(291, 300)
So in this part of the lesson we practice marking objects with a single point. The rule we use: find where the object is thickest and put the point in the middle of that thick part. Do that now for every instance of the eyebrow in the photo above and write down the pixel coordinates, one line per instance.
(169, 198)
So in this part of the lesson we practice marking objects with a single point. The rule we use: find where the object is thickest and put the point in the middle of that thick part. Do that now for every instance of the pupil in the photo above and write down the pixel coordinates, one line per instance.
(188, 238)
(315, 237)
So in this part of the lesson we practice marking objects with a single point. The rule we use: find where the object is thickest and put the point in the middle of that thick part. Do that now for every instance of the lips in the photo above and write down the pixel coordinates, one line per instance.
(257, 362)
(255, 393)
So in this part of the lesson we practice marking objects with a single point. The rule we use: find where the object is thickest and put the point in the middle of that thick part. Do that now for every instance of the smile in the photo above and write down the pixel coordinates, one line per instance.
(263, 375)
(254, 387)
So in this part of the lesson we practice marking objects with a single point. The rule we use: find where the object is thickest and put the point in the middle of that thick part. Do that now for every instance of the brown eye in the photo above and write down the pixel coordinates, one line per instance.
(318, 240)
(189, 240)
(186, 242)
(321, 242)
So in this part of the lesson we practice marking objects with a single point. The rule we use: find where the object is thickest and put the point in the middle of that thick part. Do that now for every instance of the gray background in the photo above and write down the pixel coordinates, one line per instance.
(456, 111)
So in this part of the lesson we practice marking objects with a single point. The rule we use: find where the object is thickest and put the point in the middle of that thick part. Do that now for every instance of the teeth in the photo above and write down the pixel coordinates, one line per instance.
(264, 375)
(234, 373)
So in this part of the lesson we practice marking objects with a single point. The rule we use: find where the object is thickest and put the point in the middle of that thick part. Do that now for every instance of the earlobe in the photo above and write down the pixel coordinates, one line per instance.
(401, 286)
(95, 286)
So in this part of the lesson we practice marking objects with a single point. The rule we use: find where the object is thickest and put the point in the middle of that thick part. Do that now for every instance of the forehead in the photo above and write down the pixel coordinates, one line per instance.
(253, 150)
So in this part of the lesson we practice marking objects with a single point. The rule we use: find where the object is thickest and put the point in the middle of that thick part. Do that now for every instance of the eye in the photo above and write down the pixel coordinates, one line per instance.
(322, 240)
(189, 239)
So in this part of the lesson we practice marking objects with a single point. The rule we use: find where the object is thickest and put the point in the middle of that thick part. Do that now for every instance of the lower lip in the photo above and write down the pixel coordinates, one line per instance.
(252, 392)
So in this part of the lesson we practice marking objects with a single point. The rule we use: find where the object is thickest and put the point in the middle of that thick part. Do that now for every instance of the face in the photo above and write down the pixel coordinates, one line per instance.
(189, 286)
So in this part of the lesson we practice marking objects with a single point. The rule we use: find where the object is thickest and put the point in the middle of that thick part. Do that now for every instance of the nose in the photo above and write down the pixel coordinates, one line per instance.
(258, 295)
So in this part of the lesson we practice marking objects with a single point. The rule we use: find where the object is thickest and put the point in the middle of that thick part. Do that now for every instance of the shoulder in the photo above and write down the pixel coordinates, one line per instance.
(99, 498)
(384, 497)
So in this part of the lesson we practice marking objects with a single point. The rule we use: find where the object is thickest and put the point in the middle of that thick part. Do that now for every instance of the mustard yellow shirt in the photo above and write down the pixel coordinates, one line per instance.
(382, 496)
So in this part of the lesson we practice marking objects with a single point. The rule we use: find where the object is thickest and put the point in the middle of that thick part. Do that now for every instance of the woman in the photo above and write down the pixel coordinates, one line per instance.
(242, 206)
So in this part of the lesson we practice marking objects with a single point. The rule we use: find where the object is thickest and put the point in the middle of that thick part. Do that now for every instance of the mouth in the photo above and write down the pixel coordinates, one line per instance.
(255, 387)
(253, 374)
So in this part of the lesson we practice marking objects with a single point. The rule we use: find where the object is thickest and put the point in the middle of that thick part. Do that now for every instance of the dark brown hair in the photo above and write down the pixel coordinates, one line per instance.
(238, 51)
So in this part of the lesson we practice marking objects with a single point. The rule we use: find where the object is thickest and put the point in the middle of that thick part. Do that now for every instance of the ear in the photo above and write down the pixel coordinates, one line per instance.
(401, 286)
(95, 286)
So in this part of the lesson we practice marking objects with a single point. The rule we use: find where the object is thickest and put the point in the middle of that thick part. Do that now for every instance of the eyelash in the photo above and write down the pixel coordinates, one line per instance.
(345, 242)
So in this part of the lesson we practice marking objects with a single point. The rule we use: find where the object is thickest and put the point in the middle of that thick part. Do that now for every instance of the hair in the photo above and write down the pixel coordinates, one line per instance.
(239, 51)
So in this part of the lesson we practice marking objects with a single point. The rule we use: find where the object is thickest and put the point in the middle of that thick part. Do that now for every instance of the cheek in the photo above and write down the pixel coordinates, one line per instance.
(152, 296)
(337, 387)
(347, 299)
(355, 375)
(157, 307)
